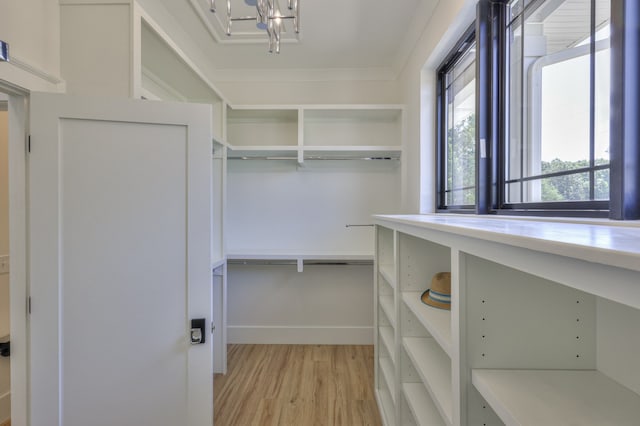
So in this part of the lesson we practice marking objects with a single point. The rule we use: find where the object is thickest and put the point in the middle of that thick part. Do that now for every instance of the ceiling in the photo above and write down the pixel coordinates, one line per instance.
(351, 34)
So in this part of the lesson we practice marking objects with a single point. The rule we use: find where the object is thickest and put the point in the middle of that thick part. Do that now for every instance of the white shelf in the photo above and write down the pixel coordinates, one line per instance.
(387, 408)
(259, 151)
(291, 255)
(386, 333)
(424, 411)
(215, 263)
(352, 152)
(387, 306)
(557, 397)
(387, 271)
(434, 368)
(436, 321)
(386, 365)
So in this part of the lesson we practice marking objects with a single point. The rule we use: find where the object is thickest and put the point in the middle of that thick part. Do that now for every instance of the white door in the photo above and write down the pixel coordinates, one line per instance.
(119, 252)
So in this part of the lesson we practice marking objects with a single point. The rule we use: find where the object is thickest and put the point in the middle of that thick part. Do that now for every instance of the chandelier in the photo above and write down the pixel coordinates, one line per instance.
(268, 18)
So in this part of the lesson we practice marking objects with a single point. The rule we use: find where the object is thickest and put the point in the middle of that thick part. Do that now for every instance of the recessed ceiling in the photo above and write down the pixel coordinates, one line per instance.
(334, 34)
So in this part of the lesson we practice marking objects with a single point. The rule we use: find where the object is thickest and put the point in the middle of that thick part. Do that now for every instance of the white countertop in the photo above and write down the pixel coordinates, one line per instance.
(600, 241)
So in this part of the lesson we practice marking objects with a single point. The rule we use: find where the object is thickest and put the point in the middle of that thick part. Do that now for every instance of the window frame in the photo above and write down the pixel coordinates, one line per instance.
(460, 49)
(589, 208)
(491, 28)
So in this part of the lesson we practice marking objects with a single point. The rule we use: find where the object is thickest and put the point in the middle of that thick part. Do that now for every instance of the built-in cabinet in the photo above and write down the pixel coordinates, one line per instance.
(542, 330)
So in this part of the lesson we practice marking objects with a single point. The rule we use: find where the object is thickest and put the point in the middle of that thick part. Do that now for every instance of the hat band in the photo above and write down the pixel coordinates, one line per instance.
(439, 297)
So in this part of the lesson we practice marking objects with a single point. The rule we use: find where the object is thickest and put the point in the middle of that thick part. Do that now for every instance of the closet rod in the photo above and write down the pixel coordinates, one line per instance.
(264, 262)
(316, 158)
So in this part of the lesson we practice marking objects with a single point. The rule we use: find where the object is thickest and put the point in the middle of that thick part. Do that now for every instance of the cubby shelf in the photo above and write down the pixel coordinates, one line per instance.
(386, 365)
(387, 306)
(434, 368)
(388, 272)
(424, 411)
(387, 407)
(436, 321)
(557, 397)
(386, 333)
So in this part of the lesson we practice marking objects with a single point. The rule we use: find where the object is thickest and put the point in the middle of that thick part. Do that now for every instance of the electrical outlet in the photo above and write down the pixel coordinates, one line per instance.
(4, 264)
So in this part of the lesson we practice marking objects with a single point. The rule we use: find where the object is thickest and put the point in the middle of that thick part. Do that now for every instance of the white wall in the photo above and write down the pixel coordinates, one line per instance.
(417, 84)
(322, 304)
(32, 29)
(5, 408)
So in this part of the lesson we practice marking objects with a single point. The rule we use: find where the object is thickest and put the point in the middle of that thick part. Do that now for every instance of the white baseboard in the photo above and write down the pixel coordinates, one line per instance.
(301, 335)
(5, 406)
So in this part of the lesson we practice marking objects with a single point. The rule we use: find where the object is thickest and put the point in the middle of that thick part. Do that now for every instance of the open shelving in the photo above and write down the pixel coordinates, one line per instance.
(545, 397)
(386, 334)
(434, 367)
(437, 322)
(315, 132)
(543, 325)
(386, 302)
(421, 406)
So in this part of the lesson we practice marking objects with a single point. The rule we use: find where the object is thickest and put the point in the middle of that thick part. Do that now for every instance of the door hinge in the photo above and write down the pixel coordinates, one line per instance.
(213, 328)
(29, 143)
(29, 305)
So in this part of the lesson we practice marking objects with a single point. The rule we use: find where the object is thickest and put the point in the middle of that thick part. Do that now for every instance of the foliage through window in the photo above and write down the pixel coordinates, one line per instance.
(544, 66)
(558, 140)
(457, 110)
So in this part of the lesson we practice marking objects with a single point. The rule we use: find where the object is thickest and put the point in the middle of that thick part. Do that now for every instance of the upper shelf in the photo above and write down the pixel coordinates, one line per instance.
(346, 132)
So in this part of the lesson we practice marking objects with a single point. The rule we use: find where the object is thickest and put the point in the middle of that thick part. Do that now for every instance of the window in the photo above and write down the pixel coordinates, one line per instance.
(457, 114)
(557, 152)
(530, 88)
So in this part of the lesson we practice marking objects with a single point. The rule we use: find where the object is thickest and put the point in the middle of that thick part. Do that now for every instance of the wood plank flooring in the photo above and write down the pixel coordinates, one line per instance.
(297, 385)
(6, 423)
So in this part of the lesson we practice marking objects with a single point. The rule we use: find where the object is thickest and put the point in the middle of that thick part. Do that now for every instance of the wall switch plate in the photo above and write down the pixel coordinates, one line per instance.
(4, 264)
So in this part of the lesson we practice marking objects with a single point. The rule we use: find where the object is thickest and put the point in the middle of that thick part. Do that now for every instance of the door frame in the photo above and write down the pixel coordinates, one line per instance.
(18, 116)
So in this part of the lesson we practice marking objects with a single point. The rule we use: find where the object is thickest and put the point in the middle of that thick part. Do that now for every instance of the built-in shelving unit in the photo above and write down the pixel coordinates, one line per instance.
(266, 132)
(315, 132)
(543, 325)
(303, 181)
(386, 320)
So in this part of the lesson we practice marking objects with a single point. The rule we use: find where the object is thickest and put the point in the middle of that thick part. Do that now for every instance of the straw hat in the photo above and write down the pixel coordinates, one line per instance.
(439, 295)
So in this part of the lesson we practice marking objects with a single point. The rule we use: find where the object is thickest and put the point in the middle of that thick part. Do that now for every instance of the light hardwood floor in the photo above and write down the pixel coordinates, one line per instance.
(297, 385)
(6, 423)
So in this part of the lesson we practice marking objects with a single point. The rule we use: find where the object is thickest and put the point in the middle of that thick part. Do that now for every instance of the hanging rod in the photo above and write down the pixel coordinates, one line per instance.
(265, 262)
(316, 158)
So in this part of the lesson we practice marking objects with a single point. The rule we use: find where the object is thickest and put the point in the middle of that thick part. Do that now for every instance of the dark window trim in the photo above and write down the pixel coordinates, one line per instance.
(624, 151)
(624, 163)
(458, 51)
